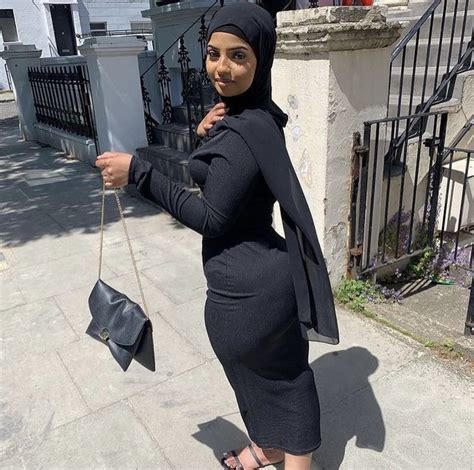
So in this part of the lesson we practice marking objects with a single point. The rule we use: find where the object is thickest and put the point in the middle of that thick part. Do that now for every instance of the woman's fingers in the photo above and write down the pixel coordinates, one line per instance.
(100, 162)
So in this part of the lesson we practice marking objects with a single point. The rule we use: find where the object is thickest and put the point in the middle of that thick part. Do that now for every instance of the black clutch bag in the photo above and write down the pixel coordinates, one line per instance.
(117, 321)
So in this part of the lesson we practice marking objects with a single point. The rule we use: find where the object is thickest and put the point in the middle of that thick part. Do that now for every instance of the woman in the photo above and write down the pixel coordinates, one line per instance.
(267, 295)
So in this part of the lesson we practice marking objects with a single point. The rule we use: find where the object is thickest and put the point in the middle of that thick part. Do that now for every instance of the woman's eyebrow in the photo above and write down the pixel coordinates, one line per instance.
(230, 48)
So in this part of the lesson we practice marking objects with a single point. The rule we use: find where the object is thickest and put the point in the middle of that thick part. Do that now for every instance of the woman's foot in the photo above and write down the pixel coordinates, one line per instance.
(245, 459)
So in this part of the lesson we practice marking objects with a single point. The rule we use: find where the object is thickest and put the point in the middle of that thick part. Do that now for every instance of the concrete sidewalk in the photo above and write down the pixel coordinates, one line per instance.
(386, 401)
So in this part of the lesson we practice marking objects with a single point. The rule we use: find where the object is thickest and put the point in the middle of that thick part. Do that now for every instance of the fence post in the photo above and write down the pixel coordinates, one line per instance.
(330, 75)
(18, 58)
(116, 92)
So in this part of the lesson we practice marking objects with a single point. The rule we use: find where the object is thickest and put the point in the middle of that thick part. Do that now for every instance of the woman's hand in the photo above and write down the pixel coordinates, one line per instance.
(214, 115)
(115, 167)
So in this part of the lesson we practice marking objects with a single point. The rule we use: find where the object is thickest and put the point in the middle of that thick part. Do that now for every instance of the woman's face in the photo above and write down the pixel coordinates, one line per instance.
(230, 64)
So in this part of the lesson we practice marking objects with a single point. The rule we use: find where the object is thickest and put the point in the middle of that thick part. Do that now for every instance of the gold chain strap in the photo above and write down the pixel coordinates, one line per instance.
(122, 217)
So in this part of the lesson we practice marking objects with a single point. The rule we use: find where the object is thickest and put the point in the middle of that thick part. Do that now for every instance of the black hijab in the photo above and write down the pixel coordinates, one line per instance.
(259, 122)
(254, 25)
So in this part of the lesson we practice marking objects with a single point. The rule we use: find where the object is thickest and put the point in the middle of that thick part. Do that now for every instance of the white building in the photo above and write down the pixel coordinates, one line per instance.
(53, 25)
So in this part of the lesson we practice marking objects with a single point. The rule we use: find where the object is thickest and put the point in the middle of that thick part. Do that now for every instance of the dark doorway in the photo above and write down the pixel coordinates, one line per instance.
(63, 29)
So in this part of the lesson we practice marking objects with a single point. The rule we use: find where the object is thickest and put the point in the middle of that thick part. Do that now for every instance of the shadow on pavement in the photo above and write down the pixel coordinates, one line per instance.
(349, 407)
(45, 194)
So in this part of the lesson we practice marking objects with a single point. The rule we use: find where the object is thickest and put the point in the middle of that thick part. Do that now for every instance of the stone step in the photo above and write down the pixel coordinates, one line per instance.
(448, 24)
(174, 135)
(170, 162)
(180, 113)
(418, 8)
(419, 76)
(451, 106)
(435, 49)
(452, 187)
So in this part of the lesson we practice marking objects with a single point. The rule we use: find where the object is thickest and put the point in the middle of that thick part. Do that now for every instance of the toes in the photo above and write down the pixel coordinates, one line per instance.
(228, 460)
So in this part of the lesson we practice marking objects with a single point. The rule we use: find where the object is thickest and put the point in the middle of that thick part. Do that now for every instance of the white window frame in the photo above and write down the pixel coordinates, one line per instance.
(98, 31)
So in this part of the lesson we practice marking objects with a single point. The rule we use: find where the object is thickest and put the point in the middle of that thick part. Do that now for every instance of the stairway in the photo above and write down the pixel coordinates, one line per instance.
(170, 154)
(415, 75)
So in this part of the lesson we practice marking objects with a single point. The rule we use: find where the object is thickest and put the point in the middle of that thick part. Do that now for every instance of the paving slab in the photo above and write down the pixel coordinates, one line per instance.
(148, 251)
(31, 409)
(101, 380)
(49, 248)
(24, 224)
(59, 276)
(430, 311)
(9, 196)
(10, 294)
(34, 328)
(111, 438)
(362, 357)
(419, 417)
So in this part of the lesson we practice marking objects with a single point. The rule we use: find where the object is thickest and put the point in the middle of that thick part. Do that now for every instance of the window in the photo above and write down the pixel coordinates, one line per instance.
(98, 28)
(7, 26)
(141, 26)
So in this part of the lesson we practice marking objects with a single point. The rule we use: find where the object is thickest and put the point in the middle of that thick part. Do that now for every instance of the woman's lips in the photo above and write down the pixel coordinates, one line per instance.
(223, 82)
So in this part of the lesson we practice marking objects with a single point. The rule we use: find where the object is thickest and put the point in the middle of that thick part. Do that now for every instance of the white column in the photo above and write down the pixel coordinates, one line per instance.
(18, 58)
(116, 92)
(330, 75)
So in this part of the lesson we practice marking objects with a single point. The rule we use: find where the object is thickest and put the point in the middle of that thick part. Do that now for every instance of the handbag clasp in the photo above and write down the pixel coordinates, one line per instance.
(104, 334)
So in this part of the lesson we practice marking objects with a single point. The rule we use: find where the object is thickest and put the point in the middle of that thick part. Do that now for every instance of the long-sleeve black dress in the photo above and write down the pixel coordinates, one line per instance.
(250, 314)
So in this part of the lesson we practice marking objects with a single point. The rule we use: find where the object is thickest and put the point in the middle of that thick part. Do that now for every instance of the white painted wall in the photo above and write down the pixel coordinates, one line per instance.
(117, 13)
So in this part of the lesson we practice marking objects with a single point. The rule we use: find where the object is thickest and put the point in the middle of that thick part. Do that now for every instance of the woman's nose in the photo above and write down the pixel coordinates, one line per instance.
(223, 66)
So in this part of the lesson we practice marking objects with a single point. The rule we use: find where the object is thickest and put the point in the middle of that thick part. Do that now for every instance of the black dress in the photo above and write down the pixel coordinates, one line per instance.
(250, 314)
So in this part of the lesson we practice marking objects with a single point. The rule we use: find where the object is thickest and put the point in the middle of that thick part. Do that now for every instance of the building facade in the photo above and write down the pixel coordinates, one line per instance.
(54, 25)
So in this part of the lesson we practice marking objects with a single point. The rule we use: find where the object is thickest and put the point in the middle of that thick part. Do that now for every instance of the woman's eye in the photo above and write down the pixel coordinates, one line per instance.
(239, 56)
(212, 54)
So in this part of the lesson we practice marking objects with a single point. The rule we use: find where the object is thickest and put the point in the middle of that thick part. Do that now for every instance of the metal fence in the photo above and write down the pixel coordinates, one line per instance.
(402, 208)
(62, 98)
(456, 215)
(9, 78)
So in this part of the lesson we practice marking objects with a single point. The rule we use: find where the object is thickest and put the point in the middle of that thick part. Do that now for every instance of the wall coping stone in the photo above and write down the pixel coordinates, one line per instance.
(109, 46)
(18, 50)
(65, 60)
(326, 29)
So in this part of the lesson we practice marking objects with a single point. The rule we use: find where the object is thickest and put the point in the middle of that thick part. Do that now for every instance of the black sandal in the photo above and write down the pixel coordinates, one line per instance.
(239, 463)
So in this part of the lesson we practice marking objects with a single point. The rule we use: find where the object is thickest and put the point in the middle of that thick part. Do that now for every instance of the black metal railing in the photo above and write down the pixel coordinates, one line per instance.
(194, 81)
(469, 324)
(383, 219)
(430, 80)
(9, 78)
(429, 207)
(62, 98)
(443, 37)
